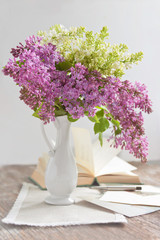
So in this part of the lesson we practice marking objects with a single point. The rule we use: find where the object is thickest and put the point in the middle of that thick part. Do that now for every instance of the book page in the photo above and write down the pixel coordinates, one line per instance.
(127, 173)
(116, 166)
(103, 155)
(83, 171)
(42, 163)
(83, 148)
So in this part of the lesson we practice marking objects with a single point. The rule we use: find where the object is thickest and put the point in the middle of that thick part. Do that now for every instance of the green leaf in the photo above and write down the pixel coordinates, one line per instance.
(63, 66)
(102, 107)
(101, 126)
(94, 119)
(100, 113)
(35, 114)
(101, 139)
(71, 119)
(86, 113)
(109, 115)
(97, 128)
(60, 112)
(118, 131)
(115, 122)
(98, 107)
(104, 124)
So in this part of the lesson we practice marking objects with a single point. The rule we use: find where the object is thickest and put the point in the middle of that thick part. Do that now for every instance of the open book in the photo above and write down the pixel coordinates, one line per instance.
(95, 163)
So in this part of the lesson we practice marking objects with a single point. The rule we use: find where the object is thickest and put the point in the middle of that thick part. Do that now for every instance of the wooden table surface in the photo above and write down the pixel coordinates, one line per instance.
(145, 227)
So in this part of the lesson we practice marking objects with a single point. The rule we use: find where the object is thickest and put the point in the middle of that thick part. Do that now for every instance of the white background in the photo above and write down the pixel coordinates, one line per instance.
(133, 22)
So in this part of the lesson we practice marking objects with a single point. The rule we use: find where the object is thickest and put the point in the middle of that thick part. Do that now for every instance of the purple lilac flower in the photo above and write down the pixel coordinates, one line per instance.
(35, 72)
(123, 100)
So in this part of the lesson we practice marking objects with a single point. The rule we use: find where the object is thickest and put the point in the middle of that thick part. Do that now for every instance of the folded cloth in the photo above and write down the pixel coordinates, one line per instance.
(30, 209)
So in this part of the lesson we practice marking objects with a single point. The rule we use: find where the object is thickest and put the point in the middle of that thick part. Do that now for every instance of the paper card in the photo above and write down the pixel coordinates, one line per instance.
(124, 209)
(149, 196)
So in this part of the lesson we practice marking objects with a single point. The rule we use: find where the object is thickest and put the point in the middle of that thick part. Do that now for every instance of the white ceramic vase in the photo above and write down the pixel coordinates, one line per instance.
(61, 172)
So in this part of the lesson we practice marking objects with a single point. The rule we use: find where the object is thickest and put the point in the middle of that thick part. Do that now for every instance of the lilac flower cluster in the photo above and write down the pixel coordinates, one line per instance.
(123, 101)
(80, 93)
(76, 92)
(36, 74)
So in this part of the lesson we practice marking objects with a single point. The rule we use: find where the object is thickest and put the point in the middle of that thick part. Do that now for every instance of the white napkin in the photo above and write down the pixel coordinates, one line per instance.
(30, 209)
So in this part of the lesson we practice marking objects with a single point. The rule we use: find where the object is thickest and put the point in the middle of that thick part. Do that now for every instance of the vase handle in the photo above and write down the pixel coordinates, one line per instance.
(52, 145)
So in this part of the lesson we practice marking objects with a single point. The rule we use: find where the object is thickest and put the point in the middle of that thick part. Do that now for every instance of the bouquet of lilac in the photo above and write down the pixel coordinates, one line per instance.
(77, 73)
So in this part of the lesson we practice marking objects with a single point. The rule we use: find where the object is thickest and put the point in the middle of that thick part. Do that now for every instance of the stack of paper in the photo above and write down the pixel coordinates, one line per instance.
(130, 204)
(148, 196)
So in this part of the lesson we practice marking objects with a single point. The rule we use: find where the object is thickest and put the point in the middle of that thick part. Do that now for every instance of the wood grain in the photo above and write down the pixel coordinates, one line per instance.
(146, 227)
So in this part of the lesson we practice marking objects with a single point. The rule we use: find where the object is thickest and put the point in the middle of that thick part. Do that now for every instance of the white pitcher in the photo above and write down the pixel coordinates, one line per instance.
(61, 172)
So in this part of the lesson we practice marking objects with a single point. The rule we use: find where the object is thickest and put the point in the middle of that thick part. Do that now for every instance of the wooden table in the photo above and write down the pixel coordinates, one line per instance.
(146, 227)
